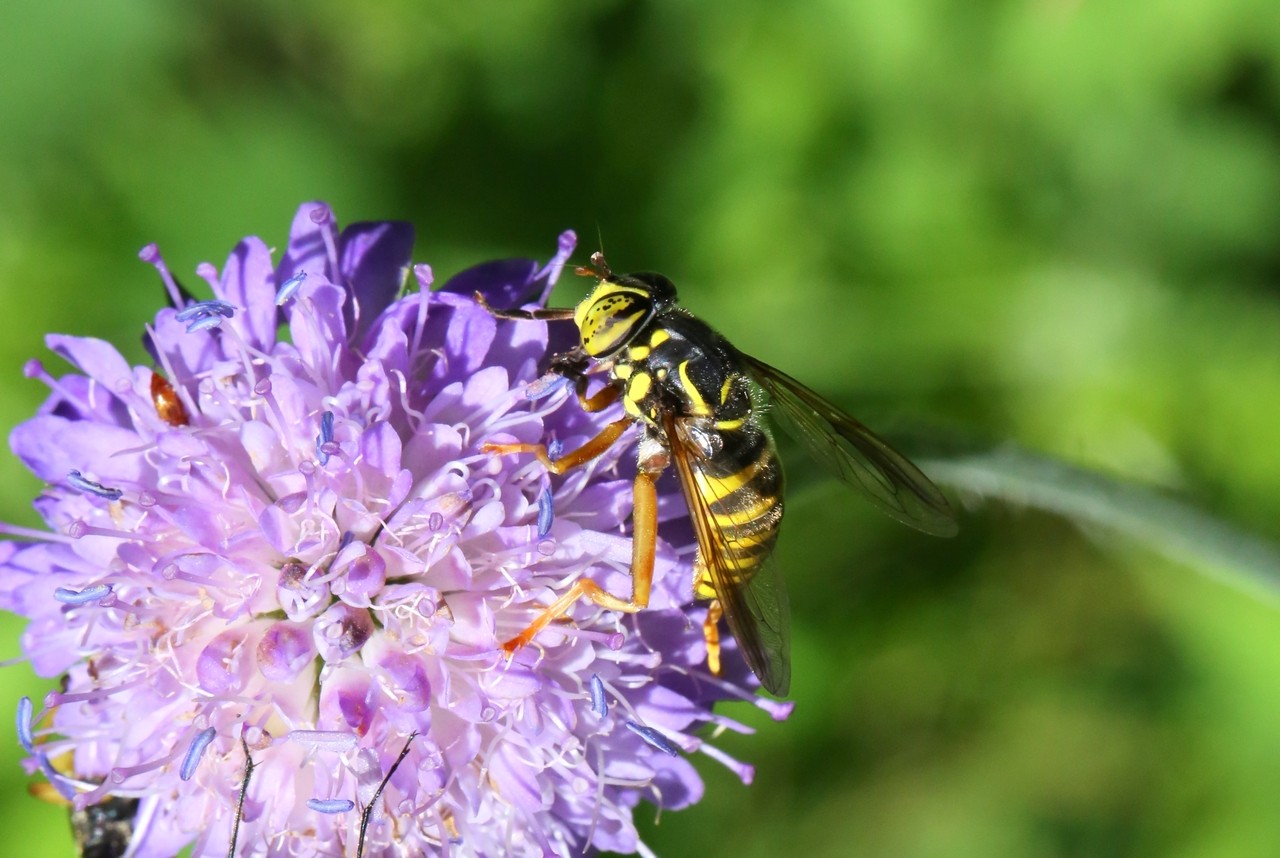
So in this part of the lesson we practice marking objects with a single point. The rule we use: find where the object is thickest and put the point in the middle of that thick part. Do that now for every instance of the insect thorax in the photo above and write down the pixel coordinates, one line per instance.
(678, 366)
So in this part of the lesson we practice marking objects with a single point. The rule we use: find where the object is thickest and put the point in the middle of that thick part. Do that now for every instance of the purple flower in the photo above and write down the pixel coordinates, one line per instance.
(290, 546)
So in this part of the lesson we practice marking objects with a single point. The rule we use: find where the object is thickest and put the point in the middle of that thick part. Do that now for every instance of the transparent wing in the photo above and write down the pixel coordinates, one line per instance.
(750, 590)
(854, 453)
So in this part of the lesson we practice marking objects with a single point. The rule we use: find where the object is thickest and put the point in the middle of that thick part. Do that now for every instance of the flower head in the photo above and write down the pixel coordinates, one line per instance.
(290, 549)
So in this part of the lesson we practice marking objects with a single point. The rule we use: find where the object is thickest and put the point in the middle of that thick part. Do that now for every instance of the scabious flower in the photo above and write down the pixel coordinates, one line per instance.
(290, 549)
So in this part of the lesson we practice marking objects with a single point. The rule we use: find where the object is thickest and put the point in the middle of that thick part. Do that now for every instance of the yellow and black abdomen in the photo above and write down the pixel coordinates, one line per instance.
(742, 487)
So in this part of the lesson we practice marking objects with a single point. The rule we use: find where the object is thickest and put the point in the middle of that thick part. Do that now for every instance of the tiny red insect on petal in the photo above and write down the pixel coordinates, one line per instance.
(168, 405)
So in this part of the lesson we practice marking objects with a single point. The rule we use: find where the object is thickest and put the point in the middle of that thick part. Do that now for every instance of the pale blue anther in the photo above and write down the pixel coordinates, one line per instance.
(544, 386)
(599, 704)
(331, 805)
(88, 486)
(195, 753)
(200, 309)
(325, 437)
(653, 738)
(203, 315)
(25, 736)
(546, 514)
(96, 593)
(289, 288)
(204, 323)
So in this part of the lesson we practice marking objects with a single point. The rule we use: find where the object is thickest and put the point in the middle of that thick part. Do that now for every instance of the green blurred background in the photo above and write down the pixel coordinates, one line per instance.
(1048, 221)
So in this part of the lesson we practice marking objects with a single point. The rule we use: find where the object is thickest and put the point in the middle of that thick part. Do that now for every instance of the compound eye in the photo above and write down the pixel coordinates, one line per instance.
(611, 321)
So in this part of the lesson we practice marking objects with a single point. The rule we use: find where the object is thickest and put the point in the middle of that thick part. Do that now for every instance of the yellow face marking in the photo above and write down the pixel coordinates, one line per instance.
(659, 337)
(638, 352)
(622, 371)
(697, 405)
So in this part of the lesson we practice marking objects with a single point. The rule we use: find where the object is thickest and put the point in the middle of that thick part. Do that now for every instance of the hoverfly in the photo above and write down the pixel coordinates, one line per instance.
(692, 393)
(104, 830)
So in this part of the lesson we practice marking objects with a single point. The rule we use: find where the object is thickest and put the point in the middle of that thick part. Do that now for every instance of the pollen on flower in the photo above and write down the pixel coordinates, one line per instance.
(277, 620)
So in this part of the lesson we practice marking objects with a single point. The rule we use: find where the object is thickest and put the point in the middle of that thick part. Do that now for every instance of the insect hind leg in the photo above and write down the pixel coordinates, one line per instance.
(644, 548)
(711, 633)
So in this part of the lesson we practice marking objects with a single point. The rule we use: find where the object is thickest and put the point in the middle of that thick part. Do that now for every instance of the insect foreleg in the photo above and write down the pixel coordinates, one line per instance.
(546, 314)
(598, 401)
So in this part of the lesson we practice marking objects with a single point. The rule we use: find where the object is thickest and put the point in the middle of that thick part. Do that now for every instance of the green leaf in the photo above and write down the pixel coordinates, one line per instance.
(1169, 526)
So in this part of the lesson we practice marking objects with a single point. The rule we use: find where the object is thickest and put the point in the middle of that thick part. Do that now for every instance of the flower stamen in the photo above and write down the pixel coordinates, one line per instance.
(324, 740)
(90, 487)
(95, 593)
(331, 805)
(546, 513)
(653, 738)
(325, 446)
(25, 736)
(289, 288)
(195, 753)
(151, 254)
(599, 703)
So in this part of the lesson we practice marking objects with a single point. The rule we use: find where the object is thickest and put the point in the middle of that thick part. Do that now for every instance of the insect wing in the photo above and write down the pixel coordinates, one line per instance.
(751, 593)
(854, 453)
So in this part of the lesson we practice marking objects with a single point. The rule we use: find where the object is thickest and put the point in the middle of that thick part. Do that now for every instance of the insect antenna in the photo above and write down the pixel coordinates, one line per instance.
(373, 802)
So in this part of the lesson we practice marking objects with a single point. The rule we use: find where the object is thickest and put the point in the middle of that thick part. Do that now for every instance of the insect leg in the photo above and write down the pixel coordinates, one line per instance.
(548, 314)
(644, 546)
(598, 401)
(711, 631)
(573, 365)
(572, 459)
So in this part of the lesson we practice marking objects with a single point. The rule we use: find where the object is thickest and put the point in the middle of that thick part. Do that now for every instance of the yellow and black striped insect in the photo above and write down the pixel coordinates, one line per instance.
(694, 396)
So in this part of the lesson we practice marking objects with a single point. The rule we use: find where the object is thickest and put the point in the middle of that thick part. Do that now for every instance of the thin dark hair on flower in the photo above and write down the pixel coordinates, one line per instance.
(244, 789)
(367, 814)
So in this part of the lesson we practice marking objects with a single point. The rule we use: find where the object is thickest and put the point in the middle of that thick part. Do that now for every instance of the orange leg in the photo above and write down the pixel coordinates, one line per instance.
(572, 459)
(644, 517)
(602, 399)
(644, 541)
(711, 631)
